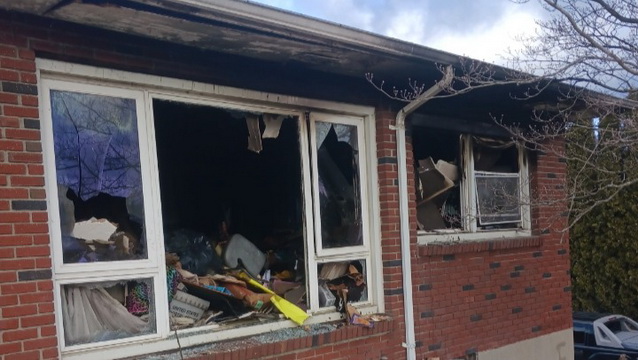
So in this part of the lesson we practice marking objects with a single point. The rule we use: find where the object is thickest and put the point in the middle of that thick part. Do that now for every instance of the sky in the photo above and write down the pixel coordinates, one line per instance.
(482, 29)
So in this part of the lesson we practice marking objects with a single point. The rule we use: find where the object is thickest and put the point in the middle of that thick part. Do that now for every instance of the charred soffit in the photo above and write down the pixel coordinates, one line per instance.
(240, 36)
(206, 29)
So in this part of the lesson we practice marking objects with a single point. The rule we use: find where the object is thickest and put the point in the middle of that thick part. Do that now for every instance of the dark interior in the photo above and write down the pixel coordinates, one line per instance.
(208, 175)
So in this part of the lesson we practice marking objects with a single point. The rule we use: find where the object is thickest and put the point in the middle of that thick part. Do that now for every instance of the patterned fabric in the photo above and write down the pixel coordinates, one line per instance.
(138, 299)
(173, 278)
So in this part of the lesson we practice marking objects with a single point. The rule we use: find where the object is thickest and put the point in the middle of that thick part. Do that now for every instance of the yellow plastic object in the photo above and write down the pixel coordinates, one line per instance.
(290, 310)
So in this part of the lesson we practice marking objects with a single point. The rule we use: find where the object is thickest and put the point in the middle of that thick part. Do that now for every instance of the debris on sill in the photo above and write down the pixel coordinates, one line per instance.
(236, 290)
(231, 283)
(271, 337)
(233, 345)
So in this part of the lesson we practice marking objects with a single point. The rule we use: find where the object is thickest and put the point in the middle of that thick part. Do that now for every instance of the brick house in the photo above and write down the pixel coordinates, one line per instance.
(155, 115)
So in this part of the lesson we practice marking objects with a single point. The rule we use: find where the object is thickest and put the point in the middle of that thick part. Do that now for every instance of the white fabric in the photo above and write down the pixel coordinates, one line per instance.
(91, 314)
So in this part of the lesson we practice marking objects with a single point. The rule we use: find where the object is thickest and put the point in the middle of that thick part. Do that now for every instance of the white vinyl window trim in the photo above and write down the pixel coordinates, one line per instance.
(145, 88)
(358, 124)
(469, 208)
(150, 225)
(95, 272)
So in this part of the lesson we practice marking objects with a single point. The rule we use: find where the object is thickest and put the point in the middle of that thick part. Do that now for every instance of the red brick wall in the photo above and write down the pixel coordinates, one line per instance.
(477, 296)
(467, 298)
(27, 329)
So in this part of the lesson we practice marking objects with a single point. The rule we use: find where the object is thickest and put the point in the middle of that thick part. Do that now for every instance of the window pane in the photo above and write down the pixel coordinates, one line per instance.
(339, 193)
(498, 198)
(497, 175)
(495, 155)
(438, 179)
(342, 282)
(104, 311)
(97, 162)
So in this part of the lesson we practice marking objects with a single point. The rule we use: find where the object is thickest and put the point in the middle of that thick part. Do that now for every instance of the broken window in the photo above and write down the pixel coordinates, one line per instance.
(340, 202)
(342, 282)
(253, 205)
(104, 311)
(497, 178)
(438, 180)
(97, 162)
(233, 200)
(468, 183)
(96, 168)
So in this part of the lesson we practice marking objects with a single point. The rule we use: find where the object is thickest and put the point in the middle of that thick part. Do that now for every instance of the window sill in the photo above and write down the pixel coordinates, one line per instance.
(446, 244)
(222, 338)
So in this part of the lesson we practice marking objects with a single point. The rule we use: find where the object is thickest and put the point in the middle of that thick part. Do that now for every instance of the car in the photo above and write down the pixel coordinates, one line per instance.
(604, 337)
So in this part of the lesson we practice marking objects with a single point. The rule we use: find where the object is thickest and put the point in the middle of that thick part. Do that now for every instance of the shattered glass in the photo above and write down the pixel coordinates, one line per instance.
(97, 160)
(108, 310)
(339, 185)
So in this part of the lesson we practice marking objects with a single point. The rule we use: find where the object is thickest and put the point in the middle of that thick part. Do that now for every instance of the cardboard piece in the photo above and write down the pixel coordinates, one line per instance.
(280, 287)
(186, 305)
(273, 125)
(429, 216)
(296, 295)
(333, 270)
(435, 178)
(254, 133)
(94, 229)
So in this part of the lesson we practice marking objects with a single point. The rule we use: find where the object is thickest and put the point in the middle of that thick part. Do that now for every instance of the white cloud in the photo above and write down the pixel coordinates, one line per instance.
(408, 26)
(282, 4)
(488, 43)
(349, 12)
(486, 33)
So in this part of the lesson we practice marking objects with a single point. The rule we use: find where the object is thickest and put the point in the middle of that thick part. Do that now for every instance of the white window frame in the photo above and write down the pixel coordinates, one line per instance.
(469, 211)
(82, 273)
(362, 171)
(60, 267)
(155, 87)
(348, 253)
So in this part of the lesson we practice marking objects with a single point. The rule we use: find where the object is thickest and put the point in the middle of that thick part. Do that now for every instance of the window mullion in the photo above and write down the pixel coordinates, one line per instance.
(524, 187)
(469, 185)
(310, 213)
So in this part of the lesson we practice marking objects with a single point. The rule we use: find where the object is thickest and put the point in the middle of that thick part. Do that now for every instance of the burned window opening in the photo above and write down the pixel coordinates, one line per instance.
(249, 164)
(342, 282)
(227, 205)
(497, 178)
(466, 183)
(438, 179)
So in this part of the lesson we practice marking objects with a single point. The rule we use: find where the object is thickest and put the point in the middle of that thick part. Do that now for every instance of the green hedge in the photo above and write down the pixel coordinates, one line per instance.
(604, 243)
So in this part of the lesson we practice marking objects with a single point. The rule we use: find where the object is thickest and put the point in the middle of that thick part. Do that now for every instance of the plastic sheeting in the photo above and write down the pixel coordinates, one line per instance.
(91, 314)
(96, 144)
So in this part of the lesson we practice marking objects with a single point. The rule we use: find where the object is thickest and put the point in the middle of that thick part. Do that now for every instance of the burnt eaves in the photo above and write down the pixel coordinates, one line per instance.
(297, 42)
(250, 30)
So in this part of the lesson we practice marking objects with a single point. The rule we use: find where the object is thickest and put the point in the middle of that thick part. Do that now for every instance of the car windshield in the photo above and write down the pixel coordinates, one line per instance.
(619, 325)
